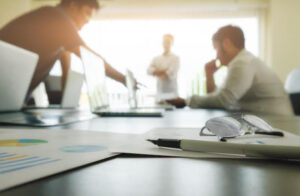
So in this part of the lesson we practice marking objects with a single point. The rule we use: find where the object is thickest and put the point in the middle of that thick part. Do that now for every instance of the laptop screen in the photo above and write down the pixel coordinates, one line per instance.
(94, 69)
(130, 84)
(17, 67)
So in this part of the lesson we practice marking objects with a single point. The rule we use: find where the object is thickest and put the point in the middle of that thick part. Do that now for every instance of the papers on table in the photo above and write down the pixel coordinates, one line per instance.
(141, 146)
(27, 155)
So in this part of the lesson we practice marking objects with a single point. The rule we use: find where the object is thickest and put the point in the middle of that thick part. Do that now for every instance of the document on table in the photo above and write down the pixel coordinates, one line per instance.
(141, 146)
(27, 155)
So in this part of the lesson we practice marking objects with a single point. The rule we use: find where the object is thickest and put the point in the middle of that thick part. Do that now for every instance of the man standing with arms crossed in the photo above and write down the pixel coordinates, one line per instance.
(165, 68)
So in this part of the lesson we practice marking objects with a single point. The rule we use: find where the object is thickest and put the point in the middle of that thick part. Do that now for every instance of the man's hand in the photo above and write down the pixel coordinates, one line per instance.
(139, 85)
(177, 102)
(109, 70)
(211, 67)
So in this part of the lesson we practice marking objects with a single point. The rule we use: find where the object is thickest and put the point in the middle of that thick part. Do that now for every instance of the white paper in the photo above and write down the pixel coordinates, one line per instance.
(139, 145)
(32, 161)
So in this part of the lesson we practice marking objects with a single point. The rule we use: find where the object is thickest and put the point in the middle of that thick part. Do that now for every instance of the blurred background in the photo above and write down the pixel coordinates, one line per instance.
(128, 34)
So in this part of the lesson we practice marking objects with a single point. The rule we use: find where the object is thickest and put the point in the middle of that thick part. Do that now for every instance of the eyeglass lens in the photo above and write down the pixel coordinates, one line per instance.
(234, 126)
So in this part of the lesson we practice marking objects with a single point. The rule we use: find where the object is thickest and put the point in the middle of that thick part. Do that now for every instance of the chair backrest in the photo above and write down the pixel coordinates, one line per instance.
(292, 83)
(292, 86)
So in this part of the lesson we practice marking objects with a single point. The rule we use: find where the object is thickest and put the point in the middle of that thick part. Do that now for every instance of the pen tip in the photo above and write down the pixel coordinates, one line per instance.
(152, 141)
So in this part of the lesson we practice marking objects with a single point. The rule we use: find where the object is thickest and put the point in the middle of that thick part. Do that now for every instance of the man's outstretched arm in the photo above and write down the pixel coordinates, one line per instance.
(109, 70)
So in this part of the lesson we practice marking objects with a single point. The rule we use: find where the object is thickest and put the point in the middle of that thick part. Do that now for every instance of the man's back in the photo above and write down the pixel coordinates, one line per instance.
(266, 92)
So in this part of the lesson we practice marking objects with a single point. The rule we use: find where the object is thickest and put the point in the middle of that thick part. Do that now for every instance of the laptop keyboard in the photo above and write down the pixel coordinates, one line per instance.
(43, 119)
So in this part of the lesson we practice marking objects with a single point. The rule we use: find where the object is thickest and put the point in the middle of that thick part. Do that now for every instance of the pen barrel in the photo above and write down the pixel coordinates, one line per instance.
(212, 147)
(273, 151)
(252, 150)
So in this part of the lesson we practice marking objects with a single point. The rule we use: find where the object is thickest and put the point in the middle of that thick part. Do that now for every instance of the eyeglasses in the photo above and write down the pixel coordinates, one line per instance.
(237, 125)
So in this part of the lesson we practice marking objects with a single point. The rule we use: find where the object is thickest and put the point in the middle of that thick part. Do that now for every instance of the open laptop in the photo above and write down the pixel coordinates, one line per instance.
(17, 68)
(72, 90)
(71, 95)
(94, 69)
(133, 102)
(15, 78)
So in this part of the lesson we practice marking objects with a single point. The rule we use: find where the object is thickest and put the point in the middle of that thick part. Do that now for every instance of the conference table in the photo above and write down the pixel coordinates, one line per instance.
(152, 175)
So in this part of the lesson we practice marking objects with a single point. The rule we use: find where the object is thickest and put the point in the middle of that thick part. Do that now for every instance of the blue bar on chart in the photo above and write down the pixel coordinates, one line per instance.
(11, 162)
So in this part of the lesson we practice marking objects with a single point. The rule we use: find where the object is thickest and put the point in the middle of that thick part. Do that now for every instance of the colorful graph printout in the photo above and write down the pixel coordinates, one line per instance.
(31, 154)
(21, 142)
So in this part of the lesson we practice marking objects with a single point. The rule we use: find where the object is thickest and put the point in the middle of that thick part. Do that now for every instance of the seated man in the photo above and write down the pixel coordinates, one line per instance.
(52, 33)
(250, 85)
(165, 68)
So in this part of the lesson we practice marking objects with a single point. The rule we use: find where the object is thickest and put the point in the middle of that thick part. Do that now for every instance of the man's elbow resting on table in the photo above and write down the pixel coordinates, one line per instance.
(196, 101)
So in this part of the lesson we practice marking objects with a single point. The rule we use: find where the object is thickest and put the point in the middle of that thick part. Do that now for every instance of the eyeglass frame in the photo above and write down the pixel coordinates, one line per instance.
(253, 128)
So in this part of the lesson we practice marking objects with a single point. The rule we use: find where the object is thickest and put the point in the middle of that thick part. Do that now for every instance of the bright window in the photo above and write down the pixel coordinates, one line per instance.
(133, 44)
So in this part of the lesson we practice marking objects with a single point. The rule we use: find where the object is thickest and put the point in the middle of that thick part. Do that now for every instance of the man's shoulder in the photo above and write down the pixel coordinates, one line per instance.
(43, 10)
(244, 58)
(158, 58)
(51, 12)
(163, 57)
(37, 16)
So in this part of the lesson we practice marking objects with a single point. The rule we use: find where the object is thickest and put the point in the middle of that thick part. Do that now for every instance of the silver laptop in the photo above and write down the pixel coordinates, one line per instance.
(71, 94)
(17, 68)
(72, 90)
(94, 69)
(133, 102)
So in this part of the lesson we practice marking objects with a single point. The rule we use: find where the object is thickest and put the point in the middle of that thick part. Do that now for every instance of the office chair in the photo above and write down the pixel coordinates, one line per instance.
(292, 86)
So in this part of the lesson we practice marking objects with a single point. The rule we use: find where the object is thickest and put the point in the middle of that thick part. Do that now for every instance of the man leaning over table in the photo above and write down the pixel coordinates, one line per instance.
(52, 33)
(250, 85)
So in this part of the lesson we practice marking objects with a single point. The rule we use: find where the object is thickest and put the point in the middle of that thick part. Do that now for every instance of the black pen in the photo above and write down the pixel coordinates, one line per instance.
(251, 150)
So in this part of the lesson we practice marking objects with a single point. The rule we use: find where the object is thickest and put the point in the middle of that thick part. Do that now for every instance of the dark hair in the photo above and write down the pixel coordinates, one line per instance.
(91, 3)
(233, 33)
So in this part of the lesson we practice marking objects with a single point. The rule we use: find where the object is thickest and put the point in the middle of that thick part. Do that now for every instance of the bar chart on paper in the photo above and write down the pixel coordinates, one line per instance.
(45, 152)
(10, 162)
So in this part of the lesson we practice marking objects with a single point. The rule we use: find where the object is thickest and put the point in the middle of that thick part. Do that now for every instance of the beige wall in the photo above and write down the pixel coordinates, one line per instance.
(36, 4)
(284, 36)
(10, 9)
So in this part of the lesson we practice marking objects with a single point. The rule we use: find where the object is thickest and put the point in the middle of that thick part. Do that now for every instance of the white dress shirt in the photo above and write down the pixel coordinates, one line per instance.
(250, 86)
(167, 88)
